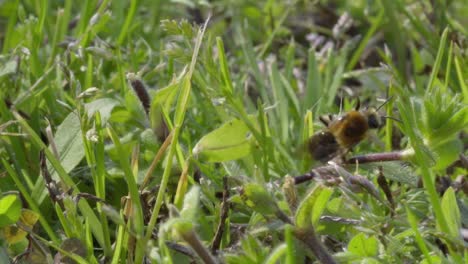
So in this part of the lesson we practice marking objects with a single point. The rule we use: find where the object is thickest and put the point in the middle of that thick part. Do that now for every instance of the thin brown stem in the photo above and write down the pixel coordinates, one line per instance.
(192, 239)
(51, 185)
(305, 177)
(310, 239)
(376, 157)
(382, 181)
(155, 161)
(223, 216)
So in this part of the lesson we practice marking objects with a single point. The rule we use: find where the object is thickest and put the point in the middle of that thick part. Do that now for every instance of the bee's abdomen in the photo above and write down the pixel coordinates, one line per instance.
(323, 146)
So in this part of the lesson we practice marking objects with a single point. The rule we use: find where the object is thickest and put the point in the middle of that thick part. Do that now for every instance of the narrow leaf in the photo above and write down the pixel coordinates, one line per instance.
(451, 212)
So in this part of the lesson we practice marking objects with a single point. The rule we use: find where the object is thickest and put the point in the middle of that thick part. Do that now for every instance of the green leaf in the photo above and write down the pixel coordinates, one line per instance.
(69, 142)
(10, 209)
(276, 254)
(231, 141)
(8, 68)
(182, 226)
(164, 97)
(113, 214)
(72, 245)
(162, 102)
(447, 153)
(4, 255)
(320, 204)
(413, 221)
(256, 197)
(363, 246)
(451, 212)
(433, 259)
(313, 84)
(104, 106)
(312, 206)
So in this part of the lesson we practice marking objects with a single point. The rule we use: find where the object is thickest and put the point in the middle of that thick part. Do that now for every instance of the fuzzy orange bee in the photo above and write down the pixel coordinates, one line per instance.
(344, 132)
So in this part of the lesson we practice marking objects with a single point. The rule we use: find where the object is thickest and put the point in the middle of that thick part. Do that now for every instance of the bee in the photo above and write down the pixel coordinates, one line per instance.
(344, 132)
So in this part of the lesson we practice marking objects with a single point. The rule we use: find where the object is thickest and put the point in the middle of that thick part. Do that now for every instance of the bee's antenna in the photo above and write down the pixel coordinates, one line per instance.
(384, 103)
(341, 102)
(392, 118)
(358, 104)
(324, 121)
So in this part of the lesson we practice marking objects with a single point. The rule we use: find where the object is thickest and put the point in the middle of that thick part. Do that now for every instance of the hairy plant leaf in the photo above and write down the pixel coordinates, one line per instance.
(191, 201)
(256, 197)
(312, 206)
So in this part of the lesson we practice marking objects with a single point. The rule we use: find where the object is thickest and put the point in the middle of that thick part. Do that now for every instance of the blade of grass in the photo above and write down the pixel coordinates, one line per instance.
(448, 70)
(417, 235)
(375, 24)
(271, 37)
(332, 88)
(276, 254)
(42, 18)
(137, 211)
(96, 162)
(437, 63)
(83, 204)
(227, 88)
(26, 194)
(289, 60)
(281, 104)
(120, 243)
(409, 124)
(56, 36)
(290, 250)
(314, 86)
(249, 55)
(461, 80)
(12, 20)
(396, 35)
(63, 220)
(128, 20)
(262, 120)
(389, 121)
(292, 97)
(180, 110)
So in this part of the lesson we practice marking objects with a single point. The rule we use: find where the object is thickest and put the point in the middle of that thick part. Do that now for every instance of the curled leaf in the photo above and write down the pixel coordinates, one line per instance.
(230, 141)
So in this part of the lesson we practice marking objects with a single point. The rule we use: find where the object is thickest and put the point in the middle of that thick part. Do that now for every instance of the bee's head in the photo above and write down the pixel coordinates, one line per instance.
(374, 120)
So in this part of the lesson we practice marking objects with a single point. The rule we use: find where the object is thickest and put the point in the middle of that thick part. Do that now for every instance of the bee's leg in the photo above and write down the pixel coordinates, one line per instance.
(346, 151)
(358, 104)
(324, 121)
(340, 157)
